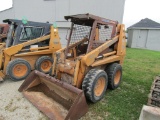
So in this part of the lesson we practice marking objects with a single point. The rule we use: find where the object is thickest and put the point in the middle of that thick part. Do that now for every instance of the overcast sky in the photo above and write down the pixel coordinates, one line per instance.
(4, 4)
(135, 10)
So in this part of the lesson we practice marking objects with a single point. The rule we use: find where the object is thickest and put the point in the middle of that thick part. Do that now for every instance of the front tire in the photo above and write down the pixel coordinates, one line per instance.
(94, 85)
(18, 69)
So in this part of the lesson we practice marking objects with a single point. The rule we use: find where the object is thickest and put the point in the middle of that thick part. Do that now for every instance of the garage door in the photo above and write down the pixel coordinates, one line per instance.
(142, 38)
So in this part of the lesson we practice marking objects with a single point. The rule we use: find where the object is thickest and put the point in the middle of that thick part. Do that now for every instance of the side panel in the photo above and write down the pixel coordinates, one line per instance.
(35, 10)
(135, 38)
(54, 10)
(130, 38)
(153, 40)
(112, 9)
(62, 9)
(141, 43)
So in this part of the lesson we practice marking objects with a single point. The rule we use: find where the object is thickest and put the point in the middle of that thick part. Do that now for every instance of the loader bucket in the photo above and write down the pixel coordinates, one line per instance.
(57, 99)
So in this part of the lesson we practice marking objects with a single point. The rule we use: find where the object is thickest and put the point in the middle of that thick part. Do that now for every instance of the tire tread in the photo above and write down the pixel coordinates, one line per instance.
(111, 71)
(38, 62)
(88, 83)
(15, 61)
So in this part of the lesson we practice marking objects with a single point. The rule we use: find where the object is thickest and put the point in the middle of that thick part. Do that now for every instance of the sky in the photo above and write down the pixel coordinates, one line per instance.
(5, 4)
(134, 11)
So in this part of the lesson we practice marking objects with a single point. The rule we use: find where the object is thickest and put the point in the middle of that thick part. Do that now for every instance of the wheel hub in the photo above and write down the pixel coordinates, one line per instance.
(99, 87)
(117, 77)
(19, 70)
(46, 65)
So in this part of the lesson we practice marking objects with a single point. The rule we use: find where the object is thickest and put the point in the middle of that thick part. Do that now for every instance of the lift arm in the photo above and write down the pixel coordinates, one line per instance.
(15, 49)
(90, 57)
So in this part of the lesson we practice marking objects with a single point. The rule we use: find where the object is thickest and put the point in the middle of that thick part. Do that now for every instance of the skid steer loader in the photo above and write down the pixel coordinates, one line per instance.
(17, 61)
(3, 32)
(20, 40)
(18, 33)
(89, 65)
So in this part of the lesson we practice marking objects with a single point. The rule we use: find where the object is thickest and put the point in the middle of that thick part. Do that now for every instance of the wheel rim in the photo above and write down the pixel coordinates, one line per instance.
(46, 65)
(20, 70)
(100, 86)
(117, 77)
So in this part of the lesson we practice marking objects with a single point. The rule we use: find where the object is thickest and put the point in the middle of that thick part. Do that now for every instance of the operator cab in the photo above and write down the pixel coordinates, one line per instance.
(87, 33)
(20, 32)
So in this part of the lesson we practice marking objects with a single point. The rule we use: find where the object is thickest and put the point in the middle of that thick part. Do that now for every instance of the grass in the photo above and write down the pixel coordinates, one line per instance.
(125, 103)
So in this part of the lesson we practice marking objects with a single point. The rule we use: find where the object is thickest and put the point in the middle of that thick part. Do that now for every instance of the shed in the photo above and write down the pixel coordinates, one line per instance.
(145, 34)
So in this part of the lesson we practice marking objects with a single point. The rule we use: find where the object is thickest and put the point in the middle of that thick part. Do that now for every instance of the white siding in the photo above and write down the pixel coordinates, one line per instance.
(9, 13)
(142, 39)
(145, 39)
(41, 10)
(35, 10)
(135, 38)
(111, 9)
(62, 9)
(55, 10)
(129, 40)
(153, 42)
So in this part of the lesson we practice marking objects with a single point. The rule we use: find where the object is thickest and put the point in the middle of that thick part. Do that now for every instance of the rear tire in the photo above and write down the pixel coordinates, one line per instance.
(114, 72)
(44, 64)
(18, 69)
(94, 85)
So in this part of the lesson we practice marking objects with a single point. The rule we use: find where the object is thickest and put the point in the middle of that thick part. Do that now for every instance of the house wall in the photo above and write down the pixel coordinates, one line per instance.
(133, 36)
(153, 42)
(130, 35)
(63, 35)
(144, 38)
(9, 13)
(55, 10)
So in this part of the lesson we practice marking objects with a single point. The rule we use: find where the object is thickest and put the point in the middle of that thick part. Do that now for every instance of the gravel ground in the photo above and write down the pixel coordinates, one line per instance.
(13, 106)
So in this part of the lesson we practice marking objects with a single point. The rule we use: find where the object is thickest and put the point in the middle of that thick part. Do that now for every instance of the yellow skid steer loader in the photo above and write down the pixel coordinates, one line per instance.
(16, 32)
(18, 62)
(89, 65)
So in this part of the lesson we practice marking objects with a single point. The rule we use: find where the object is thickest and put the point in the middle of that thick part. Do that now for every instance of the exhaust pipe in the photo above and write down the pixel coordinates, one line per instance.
(57, 99)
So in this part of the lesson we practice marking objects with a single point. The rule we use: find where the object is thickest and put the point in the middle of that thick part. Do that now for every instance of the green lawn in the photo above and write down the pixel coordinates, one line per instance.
(125, 103)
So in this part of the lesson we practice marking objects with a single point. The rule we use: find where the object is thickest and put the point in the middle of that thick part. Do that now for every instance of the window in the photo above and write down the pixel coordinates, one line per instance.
(29, 33)
(105, 32)
(79, 32)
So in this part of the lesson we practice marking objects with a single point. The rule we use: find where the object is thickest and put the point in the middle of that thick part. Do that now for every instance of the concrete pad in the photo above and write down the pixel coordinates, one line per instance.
(150, 113)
